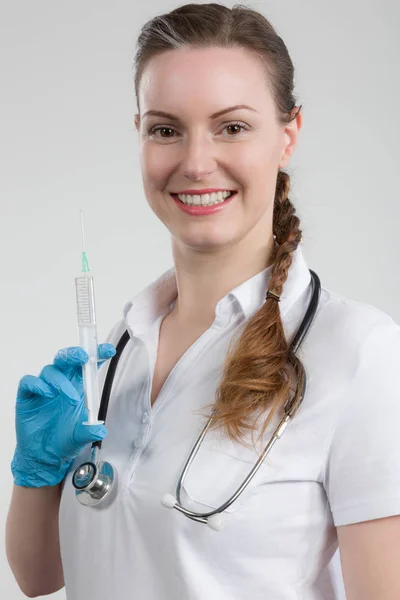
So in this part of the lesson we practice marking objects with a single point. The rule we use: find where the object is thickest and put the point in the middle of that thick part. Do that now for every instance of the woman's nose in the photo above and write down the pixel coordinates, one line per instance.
(199, 157)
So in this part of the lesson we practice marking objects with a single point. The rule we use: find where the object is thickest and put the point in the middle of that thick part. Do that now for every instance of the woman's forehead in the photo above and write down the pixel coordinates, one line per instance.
(213, 76)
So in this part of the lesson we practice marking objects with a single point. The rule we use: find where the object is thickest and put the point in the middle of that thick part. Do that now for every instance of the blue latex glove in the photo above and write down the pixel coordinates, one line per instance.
(49, 413)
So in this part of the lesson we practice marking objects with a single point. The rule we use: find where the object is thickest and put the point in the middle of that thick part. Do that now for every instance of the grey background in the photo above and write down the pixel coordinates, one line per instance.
(68, 142)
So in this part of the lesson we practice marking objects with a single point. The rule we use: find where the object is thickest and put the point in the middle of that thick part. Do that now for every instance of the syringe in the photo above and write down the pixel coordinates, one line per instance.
(88, 336)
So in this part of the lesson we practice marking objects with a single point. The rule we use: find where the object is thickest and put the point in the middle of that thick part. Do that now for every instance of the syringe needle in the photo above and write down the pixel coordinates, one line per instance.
(85, 262)
(83, 233)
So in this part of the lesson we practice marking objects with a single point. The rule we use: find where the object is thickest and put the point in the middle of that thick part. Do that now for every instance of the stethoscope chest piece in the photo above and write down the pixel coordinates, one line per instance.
(93, 482)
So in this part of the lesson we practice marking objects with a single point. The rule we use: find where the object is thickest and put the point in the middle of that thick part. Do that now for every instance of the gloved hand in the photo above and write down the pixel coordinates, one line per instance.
(49, 413)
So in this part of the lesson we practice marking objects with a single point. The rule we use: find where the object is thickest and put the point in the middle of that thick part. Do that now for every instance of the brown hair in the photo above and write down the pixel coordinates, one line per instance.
(259, 369)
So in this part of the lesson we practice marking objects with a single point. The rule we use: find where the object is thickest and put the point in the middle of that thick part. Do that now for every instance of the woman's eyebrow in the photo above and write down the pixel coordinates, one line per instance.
(166, 115)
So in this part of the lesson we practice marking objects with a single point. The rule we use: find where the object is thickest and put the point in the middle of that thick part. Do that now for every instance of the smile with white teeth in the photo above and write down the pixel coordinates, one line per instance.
(204, 199)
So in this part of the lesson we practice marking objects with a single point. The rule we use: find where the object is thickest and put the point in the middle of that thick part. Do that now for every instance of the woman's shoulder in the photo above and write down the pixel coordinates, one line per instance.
(346, 334)
(347, 317)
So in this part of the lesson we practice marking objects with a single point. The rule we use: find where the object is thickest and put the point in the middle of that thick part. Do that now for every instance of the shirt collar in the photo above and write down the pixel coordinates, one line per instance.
(247, 297)
(251, 293)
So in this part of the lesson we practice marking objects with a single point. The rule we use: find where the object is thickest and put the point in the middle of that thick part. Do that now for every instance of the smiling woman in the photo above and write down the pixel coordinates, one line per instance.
(200, 144)
(215, 335)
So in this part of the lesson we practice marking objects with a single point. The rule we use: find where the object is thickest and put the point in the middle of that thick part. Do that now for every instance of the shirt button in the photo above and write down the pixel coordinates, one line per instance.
(145, 417)
(138, 442)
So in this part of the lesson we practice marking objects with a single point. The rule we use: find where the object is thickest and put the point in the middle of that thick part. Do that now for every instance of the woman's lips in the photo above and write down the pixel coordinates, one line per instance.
(233, 192)
(199, 209)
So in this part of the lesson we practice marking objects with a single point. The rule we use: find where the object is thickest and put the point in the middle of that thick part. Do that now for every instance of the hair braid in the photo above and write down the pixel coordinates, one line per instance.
(258, 370)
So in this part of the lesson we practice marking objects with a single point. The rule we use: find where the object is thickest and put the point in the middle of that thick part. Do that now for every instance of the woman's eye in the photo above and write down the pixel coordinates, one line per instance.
(153, 130)
(159, 128)
(242, 126)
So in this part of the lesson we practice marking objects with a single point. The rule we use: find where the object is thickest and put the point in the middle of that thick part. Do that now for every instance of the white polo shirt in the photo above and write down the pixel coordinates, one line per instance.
(336, 463)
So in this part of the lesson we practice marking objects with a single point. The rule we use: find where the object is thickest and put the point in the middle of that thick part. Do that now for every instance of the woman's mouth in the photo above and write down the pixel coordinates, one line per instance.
(212, 199)
(201, 205)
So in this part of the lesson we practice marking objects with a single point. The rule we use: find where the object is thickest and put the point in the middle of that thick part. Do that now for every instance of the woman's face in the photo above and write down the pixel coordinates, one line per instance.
(239, 150)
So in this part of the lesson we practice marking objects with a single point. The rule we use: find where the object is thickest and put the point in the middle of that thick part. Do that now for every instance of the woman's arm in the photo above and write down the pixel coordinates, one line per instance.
(32, 539)
(370, 558)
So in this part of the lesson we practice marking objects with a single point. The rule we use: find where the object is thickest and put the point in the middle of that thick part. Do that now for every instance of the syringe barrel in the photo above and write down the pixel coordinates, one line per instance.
(85, 302)
(88, 341)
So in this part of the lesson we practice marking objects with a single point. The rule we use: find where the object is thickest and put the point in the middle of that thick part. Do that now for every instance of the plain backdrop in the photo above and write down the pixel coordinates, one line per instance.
(68, 141)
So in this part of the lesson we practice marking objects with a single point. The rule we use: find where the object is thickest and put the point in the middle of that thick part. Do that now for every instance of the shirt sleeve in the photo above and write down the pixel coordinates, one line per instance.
(362, 474)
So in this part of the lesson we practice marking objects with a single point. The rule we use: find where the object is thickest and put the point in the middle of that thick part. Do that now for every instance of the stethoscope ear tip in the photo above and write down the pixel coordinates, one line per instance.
(168, 500)
(216, 522)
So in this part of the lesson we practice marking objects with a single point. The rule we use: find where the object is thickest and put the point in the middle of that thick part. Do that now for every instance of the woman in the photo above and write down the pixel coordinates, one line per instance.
(216, 111)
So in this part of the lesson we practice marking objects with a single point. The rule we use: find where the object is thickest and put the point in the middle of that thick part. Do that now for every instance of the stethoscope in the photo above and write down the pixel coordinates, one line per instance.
(93, 481)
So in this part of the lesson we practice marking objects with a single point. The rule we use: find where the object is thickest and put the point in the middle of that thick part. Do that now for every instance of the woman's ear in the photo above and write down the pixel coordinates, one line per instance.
(137, 121)
(290, 137)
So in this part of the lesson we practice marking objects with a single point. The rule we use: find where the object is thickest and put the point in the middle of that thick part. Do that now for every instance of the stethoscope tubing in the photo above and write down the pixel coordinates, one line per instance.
(295, 344)
(176, 503)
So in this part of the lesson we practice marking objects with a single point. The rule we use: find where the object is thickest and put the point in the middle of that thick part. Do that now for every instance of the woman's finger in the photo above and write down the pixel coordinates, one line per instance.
(76, 356)
(30, 387)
